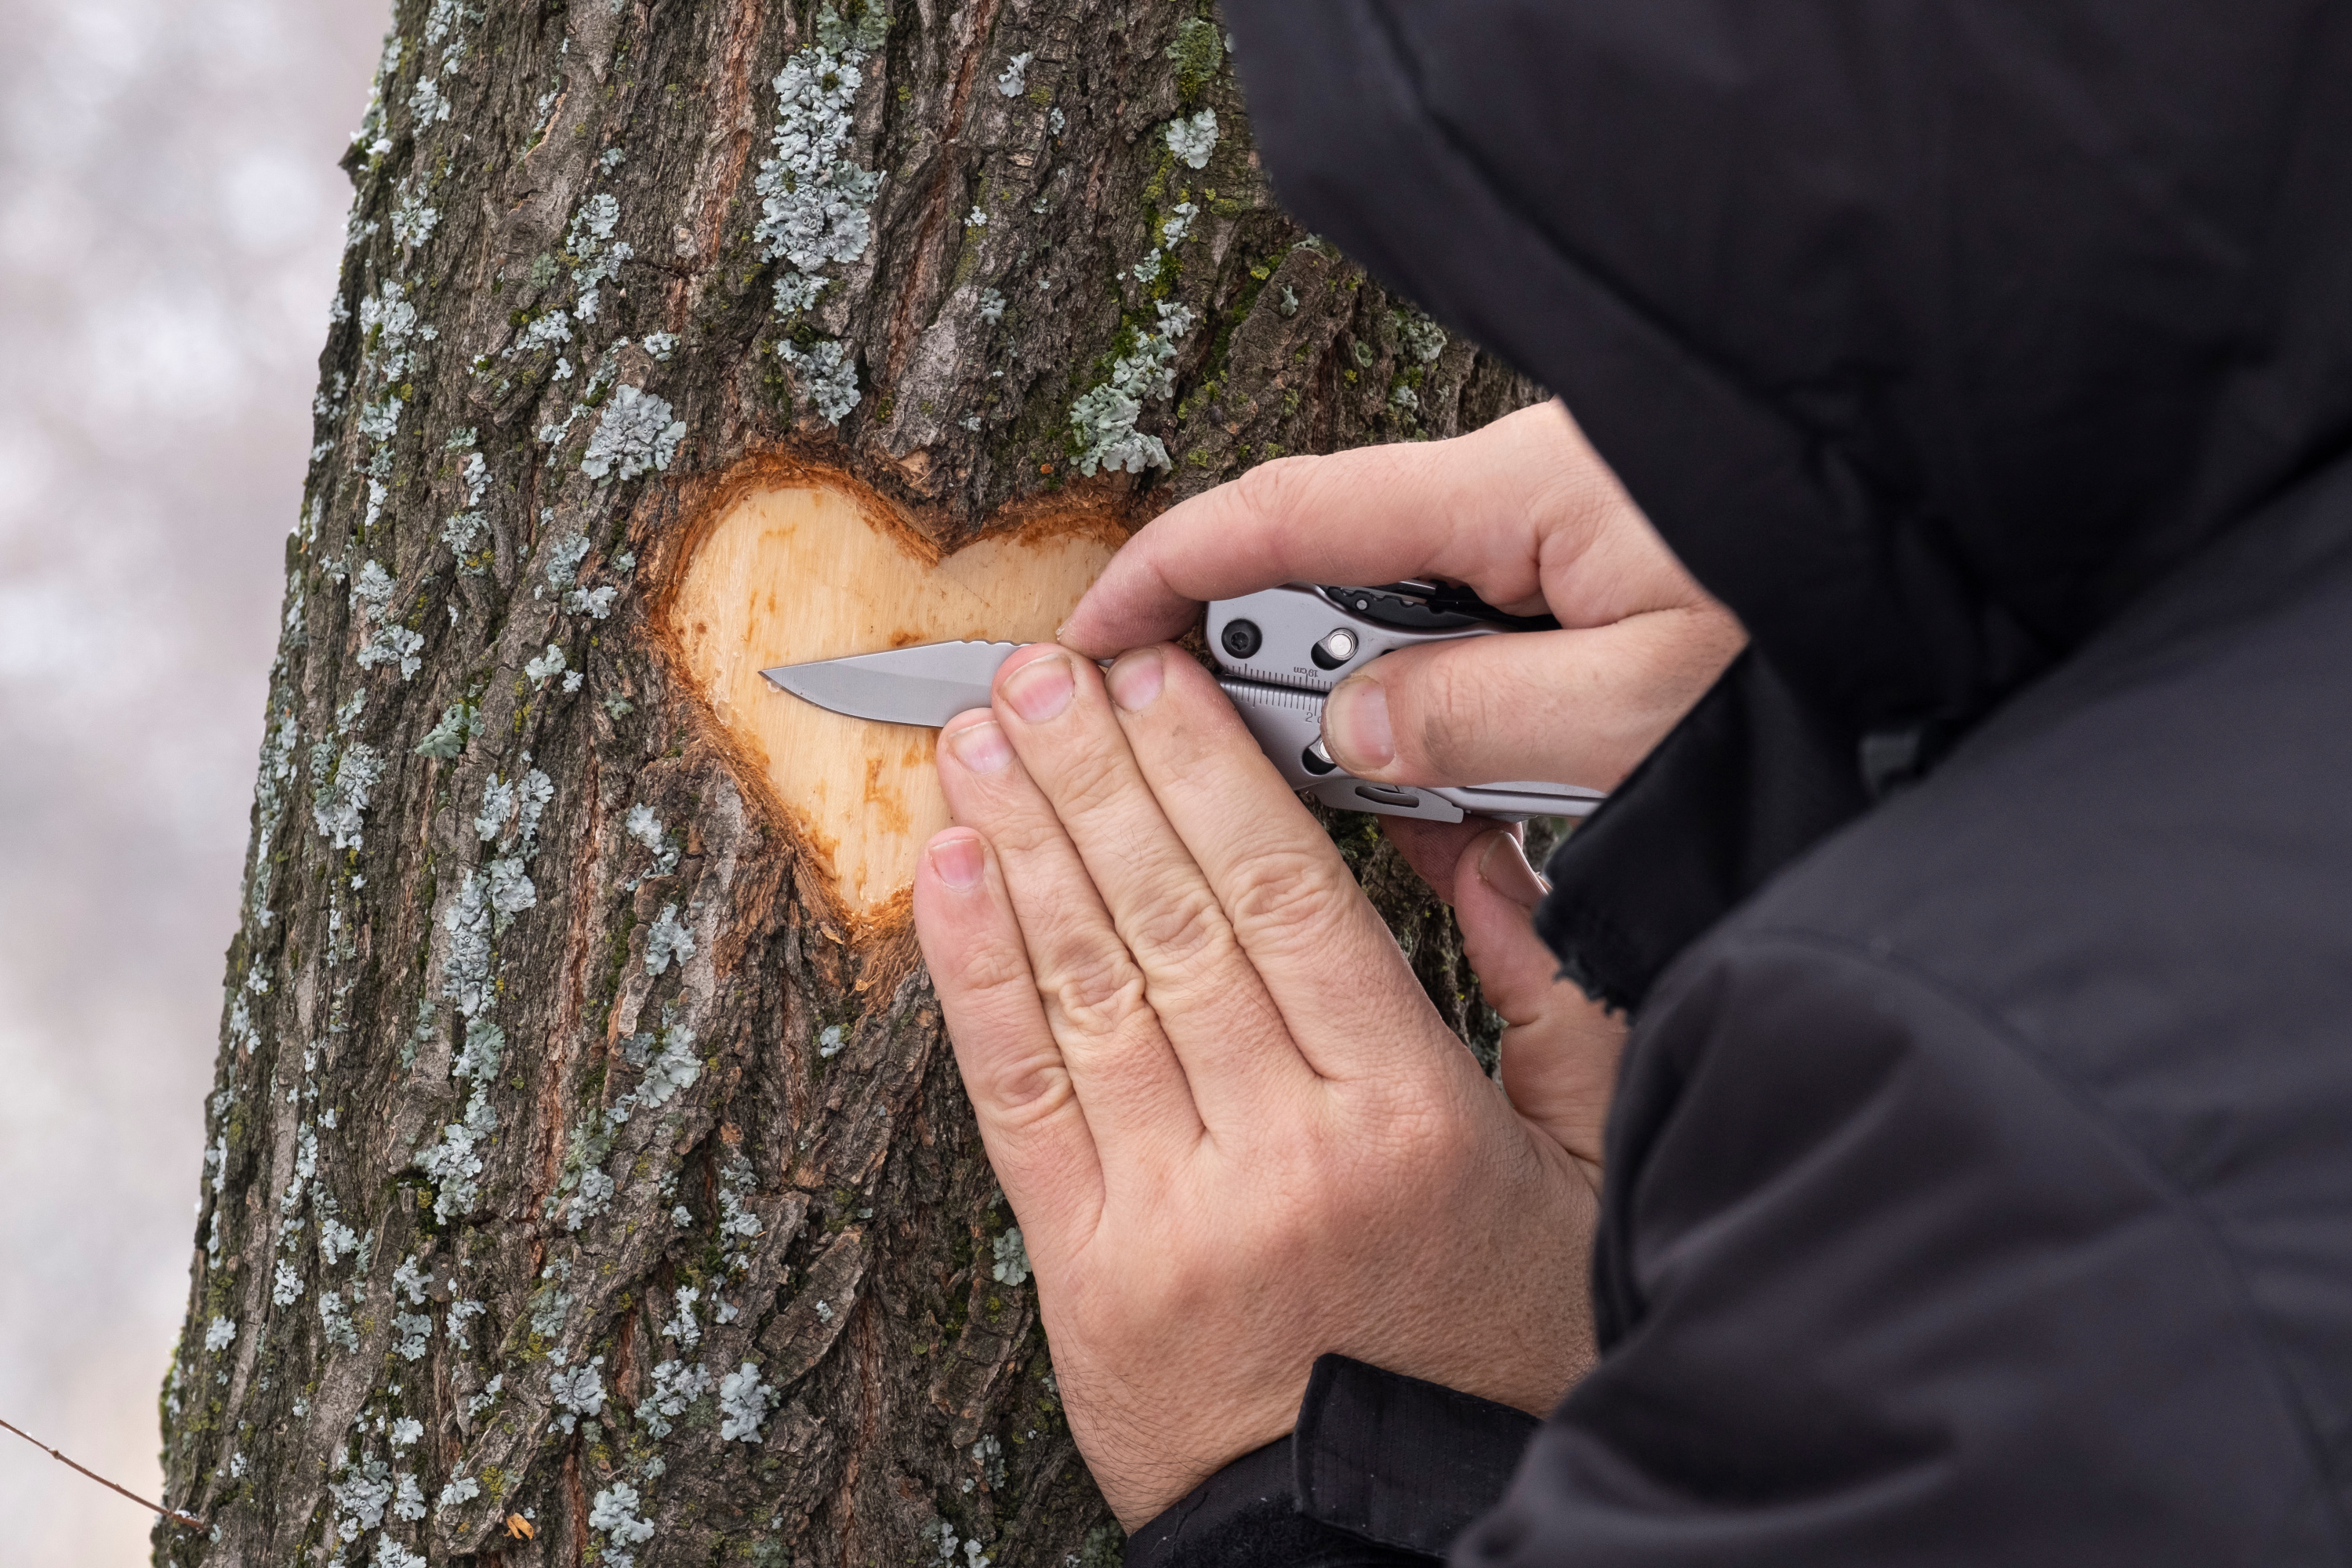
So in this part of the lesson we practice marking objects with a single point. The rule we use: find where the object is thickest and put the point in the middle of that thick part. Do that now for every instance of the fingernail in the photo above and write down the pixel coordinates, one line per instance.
(982, 747)
(1503, 867)
(1135, 680)
(959, 862)
(1040, 689)
(1356, 726)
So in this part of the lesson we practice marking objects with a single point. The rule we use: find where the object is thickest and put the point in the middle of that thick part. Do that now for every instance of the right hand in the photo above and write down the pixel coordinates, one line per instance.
(1526, 513)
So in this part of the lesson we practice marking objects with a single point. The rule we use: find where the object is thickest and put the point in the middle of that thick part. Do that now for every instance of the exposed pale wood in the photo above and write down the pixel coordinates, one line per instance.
(815, 571)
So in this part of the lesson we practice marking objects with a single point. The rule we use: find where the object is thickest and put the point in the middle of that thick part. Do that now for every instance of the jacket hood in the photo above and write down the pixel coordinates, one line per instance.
(1928, 335)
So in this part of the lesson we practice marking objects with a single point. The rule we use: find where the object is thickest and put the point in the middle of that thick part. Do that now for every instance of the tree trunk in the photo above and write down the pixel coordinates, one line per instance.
(588, 1175)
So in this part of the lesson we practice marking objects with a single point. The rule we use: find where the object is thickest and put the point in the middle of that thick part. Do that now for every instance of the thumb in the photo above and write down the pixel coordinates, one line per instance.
(1578, 706)
(1559, 1048)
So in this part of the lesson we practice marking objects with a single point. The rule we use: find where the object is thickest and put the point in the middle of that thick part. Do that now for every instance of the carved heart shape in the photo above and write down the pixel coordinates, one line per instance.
(814, 569)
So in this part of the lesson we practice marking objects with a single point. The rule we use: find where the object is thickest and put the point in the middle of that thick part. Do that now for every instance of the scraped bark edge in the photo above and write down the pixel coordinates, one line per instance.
(884, 936)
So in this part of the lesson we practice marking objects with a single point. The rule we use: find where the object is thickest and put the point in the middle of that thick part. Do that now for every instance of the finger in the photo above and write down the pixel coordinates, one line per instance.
(1570, 706)
(1344, 992)
(1126, 1077)
(1021, 1095)
(1210, 1002)
(1560, 1047)
(1433, 850)
(1493, 509)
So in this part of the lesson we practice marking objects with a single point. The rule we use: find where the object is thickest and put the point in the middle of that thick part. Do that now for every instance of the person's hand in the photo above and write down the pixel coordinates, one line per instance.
(1233, 1129)
(1527, 514)
(1560, 1047)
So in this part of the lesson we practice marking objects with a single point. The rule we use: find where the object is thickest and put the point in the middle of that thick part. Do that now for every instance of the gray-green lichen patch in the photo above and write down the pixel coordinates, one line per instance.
(643, 826)
(1422, 338)
(388, 642)
(596, 255)
(448, 735)
(413, 222)
(744, 1401)
(551, 330)
(1103, 419)
(676, 1388)
(1011, 1257)
(1193, 140)
(667, 942)
(615, 1516)
(578, 1393)
(273, 784)
(814, 198)
(828, 373)
(796, 292)
(638, 431)
(546, 667)
(341, 782)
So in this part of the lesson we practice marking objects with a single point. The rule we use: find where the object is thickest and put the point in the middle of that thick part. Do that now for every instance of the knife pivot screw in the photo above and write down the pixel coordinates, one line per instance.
(1243, 638)
(1334, 650)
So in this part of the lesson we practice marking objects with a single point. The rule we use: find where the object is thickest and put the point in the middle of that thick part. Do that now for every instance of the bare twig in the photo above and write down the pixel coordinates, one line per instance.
(187, 1519)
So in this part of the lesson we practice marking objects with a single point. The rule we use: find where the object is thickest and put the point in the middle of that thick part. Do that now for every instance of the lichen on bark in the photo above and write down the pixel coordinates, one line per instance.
(581, 1184)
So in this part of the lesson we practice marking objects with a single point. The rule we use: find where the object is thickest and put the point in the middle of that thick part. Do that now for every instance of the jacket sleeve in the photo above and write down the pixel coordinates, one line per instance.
(1878, 1284)
(1382, 1471)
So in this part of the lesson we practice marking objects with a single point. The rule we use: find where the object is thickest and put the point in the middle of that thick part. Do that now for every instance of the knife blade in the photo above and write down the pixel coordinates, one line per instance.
(926, 685)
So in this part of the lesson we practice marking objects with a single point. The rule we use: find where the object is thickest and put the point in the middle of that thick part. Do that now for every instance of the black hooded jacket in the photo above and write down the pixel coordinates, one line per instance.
(1980, 1174)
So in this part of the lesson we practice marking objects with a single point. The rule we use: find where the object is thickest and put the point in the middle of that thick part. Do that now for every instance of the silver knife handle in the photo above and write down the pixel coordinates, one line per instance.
(1288, 726)
(1312, 638)
(1517, 801)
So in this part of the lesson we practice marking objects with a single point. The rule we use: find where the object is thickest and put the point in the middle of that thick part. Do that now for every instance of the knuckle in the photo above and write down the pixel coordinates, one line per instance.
(1029, 1091)
(1289, 899)
(1184, 936)
(1094, 990)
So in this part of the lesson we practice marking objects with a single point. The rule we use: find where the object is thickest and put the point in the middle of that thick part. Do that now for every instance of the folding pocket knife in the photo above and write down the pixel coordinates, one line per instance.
(1278, 652)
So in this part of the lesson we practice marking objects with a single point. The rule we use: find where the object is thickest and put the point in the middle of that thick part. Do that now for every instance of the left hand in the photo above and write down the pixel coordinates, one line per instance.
(1235, 1133)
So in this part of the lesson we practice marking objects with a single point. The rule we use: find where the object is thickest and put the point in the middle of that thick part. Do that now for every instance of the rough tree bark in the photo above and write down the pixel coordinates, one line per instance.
(588, 1178)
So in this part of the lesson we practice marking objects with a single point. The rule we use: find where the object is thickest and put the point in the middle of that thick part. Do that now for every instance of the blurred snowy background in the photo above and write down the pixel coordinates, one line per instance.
(171, 216)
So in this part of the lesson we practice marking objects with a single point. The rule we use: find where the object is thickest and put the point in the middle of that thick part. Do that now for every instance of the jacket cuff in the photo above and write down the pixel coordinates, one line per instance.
(1382, 1471)
(1748, 781)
